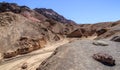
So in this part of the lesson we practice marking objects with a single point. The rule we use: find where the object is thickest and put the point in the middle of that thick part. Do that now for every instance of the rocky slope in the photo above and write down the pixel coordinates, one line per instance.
(49, 13)
(23, 30)
(18, 36)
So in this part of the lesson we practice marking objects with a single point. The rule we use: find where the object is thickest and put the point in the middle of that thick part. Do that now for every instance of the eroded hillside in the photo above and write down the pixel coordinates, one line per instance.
(24, 30)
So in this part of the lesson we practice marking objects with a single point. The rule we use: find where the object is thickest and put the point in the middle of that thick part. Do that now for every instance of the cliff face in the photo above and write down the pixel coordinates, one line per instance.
(23, 30)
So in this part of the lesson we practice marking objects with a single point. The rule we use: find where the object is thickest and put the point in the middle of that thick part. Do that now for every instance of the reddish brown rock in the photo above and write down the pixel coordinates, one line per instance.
(30, 44)
(76, 33)
(23, 50)
(104, 58)
(10, 54)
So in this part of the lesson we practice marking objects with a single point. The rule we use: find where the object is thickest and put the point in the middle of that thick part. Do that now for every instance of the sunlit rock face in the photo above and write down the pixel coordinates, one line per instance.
(23, 30)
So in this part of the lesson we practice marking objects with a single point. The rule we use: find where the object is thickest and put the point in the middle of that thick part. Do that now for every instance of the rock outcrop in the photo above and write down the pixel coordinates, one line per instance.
(13, 32)
(78, 55)
(77, 33)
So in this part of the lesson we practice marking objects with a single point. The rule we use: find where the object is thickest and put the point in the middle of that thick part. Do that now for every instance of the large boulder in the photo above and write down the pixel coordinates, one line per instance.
(77, 55)
(76, 33)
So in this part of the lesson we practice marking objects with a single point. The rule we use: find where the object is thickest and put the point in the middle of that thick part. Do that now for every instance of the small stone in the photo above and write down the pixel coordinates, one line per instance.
(106, 59)
(24, 65)
(100, 43)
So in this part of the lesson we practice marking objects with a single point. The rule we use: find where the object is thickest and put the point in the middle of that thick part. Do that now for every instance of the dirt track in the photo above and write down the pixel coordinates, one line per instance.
(33, 59)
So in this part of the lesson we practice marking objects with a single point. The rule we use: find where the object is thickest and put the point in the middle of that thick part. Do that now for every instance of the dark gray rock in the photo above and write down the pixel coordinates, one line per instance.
(116, 39)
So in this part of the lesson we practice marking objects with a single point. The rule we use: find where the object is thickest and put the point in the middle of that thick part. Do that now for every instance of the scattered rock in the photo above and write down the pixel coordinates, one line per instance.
(116, 39)
(24, 65)
(100, 43)
(104, 58)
